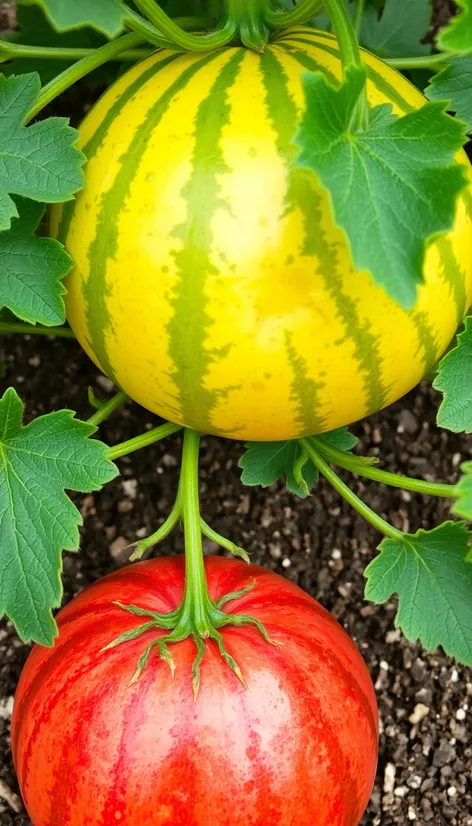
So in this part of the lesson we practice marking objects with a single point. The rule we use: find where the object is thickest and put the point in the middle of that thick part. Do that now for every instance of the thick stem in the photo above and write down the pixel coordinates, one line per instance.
(145, 439)
(176, 38)
(350, 56)
(367, 513)
(248, 19)
(196, 599)
(345, 33)
(354, 465)
(34, 329)
(108, 408)
(305, 10)
(74, 73)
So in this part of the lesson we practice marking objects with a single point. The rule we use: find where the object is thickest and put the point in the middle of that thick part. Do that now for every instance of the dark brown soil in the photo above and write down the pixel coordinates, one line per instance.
(424, 767)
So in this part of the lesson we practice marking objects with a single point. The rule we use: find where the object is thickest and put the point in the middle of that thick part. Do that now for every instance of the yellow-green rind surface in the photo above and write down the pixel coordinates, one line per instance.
(210, 282)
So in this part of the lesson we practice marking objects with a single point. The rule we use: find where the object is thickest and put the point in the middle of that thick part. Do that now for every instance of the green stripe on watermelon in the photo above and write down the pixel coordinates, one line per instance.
(309, 63)
(453, 275)
(380, 83)
(190, 321)
(105, 245)
(301, 195)
(92, 146)
(426, 339)
(304, 391)
(467, 198)
(283, 115)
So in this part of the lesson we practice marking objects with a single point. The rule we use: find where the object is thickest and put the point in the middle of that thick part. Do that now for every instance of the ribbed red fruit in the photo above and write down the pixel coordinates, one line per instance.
(297, 748)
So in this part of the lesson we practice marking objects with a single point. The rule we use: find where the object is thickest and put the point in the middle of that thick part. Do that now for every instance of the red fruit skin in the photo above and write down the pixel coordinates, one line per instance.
(298, 748)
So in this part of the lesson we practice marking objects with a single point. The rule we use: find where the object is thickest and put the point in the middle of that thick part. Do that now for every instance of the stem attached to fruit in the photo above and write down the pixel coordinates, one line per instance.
(248, 19)
(161, 24)
(198, 616)
(360, 468)
(367, 513)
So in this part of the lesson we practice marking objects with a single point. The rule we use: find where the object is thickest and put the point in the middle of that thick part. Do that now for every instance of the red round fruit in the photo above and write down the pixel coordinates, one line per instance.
(298, 747)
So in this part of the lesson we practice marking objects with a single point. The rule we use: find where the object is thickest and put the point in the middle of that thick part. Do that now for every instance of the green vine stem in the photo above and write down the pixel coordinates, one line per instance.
(367, 513)
(350, 55)
(358, 15)
(296, 16)
(345, 33)
(432, 61)
(213, 536)
(177, 38)
(7, 327)
(143, 440)
(198, 616)
(107, 408)
(79, 70)
(143, 545)
(355, 465)
(9, 51)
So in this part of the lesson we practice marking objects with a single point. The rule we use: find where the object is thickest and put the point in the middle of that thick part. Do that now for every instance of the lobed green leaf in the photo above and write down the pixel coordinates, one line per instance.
(399, 31)
(40, 161)
(37, 519)
(263, 463)
(32, 269)
(454, 85)
(105, 16)
(454, 380)
(393, 185)
(457, 36)
(433, 579)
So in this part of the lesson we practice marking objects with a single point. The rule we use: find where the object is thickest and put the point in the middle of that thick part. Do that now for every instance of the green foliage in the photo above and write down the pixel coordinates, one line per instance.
(454, 379)
(399, 174)
(106, 16)
(454, 85)
(463, 506)
(45, 165)
(263, 463)
(37, 519)
(31, 269)
(398, 32)
(457, 36)
(35, 30)
(429, 572)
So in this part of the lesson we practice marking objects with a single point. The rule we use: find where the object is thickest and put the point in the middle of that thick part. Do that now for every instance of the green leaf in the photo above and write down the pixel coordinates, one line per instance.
(454, 85)
(454, 379)
(400, 29)
(31, 269)
(457, 36)
(263, 463)
(393, 185)
(105, 16)
(342, 439)
(37, 519)
(429, 572)
(463, 506)
(38, 161)
(35, 30)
